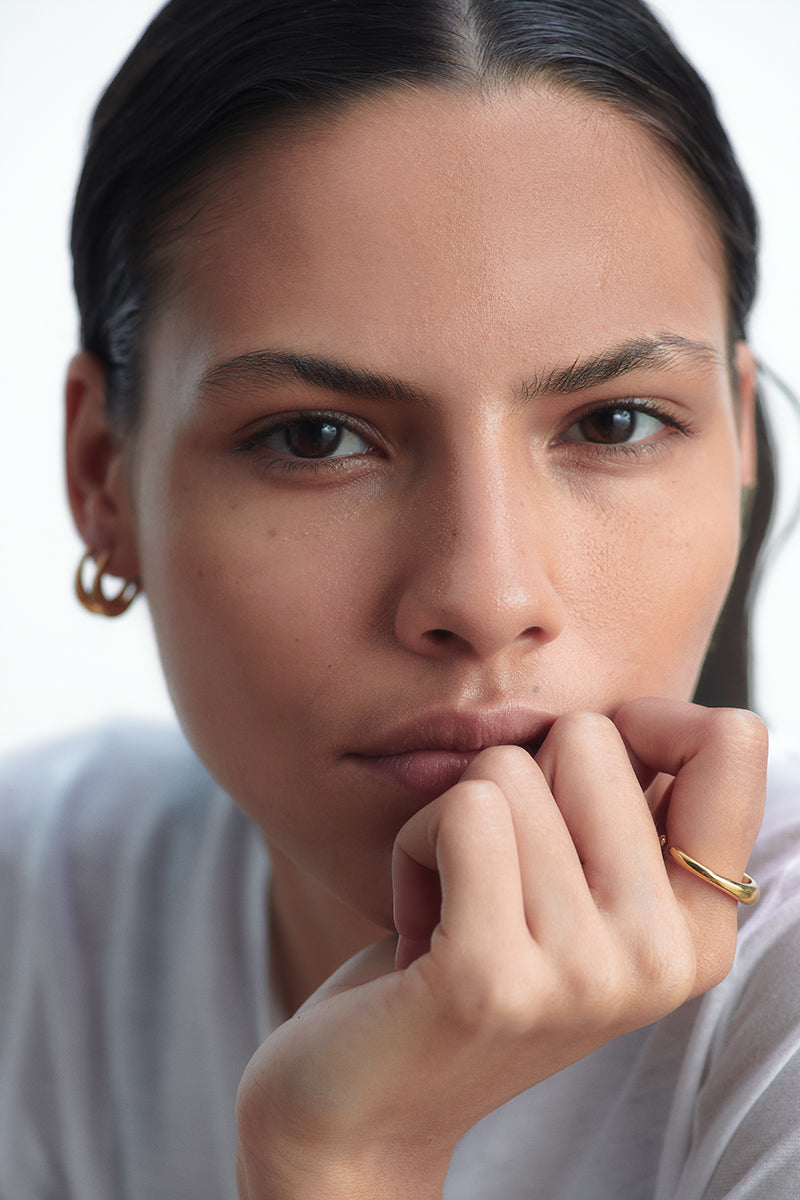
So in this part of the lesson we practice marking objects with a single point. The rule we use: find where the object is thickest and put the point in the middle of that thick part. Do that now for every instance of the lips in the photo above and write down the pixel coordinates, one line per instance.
(430, 754)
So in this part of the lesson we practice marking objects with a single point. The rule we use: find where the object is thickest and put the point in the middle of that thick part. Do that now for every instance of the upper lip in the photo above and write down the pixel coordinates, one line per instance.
(462, 731)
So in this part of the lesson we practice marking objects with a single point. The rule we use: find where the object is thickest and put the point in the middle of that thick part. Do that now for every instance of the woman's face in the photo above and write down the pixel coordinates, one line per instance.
(438, 443)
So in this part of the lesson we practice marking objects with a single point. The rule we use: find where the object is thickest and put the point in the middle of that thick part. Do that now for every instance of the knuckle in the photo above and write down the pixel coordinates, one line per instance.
(596, 986)
(502, 760)
(670, 977)
(575, 729)
(472, 793)
(635, 981)
(594, 971)
(492, 999)
(665, 969)
(743, 731)
(473, 802)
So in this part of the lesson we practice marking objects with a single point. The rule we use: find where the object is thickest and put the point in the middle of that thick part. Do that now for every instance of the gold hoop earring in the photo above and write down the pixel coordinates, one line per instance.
(96, 600)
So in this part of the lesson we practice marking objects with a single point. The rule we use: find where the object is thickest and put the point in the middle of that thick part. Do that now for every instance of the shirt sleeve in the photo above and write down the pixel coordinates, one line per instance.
(56, 877)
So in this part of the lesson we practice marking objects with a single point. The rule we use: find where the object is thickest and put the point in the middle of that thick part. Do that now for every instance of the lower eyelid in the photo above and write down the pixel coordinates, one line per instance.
(270, 461)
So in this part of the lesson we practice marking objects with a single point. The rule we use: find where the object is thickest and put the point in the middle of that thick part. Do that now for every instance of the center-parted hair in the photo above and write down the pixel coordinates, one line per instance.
(206, 73)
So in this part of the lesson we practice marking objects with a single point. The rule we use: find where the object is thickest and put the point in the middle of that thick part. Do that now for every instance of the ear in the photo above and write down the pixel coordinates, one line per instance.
(746, 378)
(96, 469)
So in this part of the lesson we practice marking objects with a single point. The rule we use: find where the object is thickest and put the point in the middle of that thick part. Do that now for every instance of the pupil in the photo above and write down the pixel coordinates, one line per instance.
(313, 439)
(609, 425)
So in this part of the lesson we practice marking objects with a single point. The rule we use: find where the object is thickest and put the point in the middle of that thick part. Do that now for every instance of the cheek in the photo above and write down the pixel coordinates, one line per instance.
(260, 622)
(659, 584)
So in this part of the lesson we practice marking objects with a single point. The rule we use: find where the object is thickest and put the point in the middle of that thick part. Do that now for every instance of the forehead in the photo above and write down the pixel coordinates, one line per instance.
(420, 222)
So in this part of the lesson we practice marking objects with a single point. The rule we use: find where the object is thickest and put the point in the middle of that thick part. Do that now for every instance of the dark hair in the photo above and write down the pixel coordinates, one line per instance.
(205, 73)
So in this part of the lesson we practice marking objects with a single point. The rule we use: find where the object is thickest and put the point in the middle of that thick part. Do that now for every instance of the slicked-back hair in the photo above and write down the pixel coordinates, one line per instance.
(205, 74)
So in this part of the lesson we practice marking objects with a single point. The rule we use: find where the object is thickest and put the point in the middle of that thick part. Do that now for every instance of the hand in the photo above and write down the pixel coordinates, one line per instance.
(537, 920)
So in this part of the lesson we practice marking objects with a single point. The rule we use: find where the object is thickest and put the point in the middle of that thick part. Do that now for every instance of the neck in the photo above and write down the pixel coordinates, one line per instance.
(311, 932)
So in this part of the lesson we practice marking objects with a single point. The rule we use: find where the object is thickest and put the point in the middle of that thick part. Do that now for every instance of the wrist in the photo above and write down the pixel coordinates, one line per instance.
(296, 1172)
(296, 1143)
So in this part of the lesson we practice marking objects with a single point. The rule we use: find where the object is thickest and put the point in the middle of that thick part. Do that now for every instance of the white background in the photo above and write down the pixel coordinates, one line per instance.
(61, 668)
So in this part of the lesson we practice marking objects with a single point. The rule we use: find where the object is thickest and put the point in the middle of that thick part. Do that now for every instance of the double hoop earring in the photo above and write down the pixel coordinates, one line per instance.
(96, 600)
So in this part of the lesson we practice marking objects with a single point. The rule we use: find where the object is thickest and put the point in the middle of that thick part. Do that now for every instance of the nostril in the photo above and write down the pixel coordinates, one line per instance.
(440, 635)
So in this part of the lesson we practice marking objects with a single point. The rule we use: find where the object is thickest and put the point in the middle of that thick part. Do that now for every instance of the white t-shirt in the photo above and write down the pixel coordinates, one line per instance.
(133, 991)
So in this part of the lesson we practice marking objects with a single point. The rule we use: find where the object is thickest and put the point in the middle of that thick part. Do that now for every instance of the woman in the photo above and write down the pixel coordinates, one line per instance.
(415, 394)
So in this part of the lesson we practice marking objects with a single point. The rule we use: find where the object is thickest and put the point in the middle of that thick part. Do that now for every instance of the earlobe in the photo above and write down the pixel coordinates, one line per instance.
(96, 477)
(746, 370)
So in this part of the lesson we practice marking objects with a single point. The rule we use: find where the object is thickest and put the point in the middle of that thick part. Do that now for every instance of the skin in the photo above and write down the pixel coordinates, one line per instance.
(472, 549)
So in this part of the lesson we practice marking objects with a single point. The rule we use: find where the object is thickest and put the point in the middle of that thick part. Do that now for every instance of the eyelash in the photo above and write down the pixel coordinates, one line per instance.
(648, 408)
(255, 444)
(273, 460)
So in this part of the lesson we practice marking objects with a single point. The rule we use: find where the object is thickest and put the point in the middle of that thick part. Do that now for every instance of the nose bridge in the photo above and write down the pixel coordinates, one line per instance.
(489, 528)
(482, 573)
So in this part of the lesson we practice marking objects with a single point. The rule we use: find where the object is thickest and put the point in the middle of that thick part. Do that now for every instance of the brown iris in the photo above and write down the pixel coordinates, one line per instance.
(609, 425)
(312, 437)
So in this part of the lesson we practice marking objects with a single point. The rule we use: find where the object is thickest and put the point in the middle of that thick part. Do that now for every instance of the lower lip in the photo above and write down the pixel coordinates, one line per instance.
(427, 773)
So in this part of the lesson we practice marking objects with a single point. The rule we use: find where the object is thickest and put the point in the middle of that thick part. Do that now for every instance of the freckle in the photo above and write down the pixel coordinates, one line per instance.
(201, 573)
(272, 533)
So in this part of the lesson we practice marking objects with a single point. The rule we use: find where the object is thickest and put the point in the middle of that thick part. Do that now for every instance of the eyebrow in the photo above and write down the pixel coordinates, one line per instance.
(666, 350)
(270, 368)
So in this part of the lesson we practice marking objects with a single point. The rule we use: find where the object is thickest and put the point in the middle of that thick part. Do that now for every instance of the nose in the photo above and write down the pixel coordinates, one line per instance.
(483, 574)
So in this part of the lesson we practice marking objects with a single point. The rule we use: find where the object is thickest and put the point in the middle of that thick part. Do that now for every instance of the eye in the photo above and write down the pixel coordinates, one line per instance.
(618, 425)
(312, 436)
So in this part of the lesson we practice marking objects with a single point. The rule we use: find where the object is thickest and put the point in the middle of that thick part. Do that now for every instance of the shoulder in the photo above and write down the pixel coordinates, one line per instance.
(108, 777)
(111, 759)
(91, 817)
(115, 844)
(132, 949)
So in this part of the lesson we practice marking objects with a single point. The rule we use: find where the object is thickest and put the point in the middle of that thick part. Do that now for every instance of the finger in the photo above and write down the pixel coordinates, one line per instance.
(467, 838)
(417, 906)
(718, 758)
(599, 795)
(554, 888)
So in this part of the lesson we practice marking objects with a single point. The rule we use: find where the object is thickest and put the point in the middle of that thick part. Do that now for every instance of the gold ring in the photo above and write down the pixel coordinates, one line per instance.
(746, 892)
